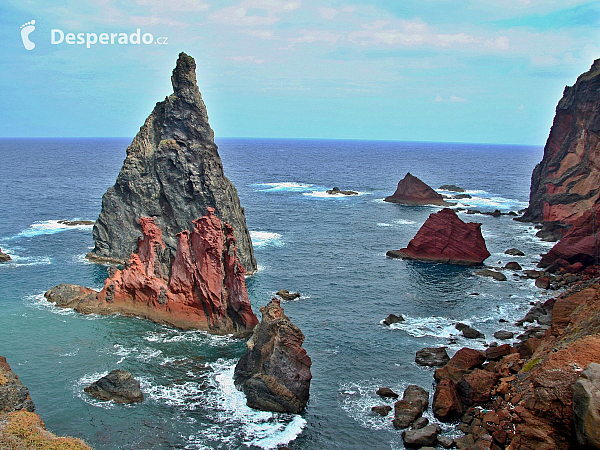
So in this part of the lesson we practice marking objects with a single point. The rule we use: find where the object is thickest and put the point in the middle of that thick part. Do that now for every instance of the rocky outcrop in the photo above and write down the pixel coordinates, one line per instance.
(566, 183)
(445, 238)
(432, 357)
(204, 288)
(118, 386)
(274, 373)
(586, 407)
(287, 295)
(173, 174)
(412, 191)
(20, 426)
(337, 191)
(4, 257)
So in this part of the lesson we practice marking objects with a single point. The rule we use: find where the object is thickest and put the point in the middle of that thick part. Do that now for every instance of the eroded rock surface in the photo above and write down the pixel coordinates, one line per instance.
(412, 191)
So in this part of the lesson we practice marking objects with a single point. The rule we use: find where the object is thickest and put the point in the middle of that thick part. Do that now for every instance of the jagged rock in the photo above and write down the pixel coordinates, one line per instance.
(421, 437)
(4, 257)
(566, 183)
(274, 373)
(447, 239)
(495, 353)
(412, 191)
(414, 402)
(172, 173)
(504, 335)
(383, 410)
(451, 188)
(468, 332)
(393, 318)
(204, 288)
(513, 265)
(586, 406)
(432, 357)
(338, 191)
(386, 392)
(287, 295)
(514, 252)
(445, 441)
(446, 404)
(476, 387)
(498, 276)
(419, 423)
(462, 362)
(14, 396)
(119, 386)
(74, 223)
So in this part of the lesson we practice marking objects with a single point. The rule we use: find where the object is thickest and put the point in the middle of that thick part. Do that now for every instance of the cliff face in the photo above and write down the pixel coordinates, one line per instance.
(447, 239)
(412, 191)
(566, 183)
(204, 288)
(275, 371)
(172, 173)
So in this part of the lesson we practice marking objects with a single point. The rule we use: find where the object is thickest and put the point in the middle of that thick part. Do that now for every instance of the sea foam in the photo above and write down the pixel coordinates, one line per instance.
(47, 227)
(262, 239)
(284, 186)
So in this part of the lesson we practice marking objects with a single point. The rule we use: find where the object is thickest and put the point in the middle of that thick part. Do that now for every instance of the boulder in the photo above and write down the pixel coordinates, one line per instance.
(498, 276)
(386, 392)
(287, 295)
(461, 363)
(432, 357)
(76, 223)
(274, 373)
(543, 283)
(476, 387)
(446, 404)
(421, 437)
(495, 353)
(4, 257)
(513, 265)
(338, 191)
(514, 252)
(468, 332)
(451, 188)
(415, 401)
(419, 423)
(445, 238)
(172, 173)
(204, 288)
(412, 191)
(118, 386)
(383, 410)
(393, 318)
(504, 335)
(586, 407)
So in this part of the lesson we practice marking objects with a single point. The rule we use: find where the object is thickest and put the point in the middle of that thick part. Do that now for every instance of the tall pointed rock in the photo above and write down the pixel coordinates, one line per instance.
(172, 173)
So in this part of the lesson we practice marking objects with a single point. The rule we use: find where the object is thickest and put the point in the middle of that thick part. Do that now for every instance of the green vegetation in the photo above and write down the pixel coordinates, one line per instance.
(531, 364)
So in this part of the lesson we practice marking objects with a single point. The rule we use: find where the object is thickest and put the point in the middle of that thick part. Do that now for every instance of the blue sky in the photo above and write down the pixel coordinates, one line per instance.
(444, 70)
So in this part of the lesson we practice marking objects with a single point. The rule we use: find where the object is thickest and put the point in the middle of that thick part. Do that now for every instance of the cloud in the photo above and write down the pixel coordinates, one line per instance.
(315, 36)
(261, 34)
(253, 12)
(327, 13)
(248, 59)
(175, 5)
(452, 99)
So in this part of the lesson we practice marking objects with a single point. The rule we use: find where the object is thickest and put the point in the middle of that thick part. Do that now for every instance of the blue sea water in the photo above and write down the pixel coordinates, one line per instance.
(329, 248)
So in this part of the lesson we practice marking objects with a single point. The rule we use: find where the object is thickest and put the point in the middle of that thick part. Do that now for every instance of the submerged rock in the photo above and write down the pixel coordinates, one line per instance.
(287, 295)
(337, 191)
(274, 373)
(447, 239)
(383, 410)
(393, 318)
(514, 252)
(74, 223)
(468, 332)
(4, 257)
(386, 392)
(498, 276)
(412, 191)
(451, 188)
(204, 288)
(118, 385)
(172, 173)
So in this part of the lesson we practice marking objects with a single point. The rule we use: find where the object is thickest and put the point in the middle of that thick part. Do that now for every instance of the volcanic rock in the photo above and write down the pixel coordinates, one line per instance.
(498, 276)
(421, 437)
(4, 257)
(566, 183)
(386, 392)
(412, 191)
(74, 223)
(337, 191)
(504, 335)
(446, 404)
(274, 373)
(415, 401)
(172, 173)
(514, 252)
(451, 188)
(447, 239)
(118, 385)
(468, 332)
(393, 318)
(287, 295)
(204, 289)
(432, 357)
(14, 396)
(461, 363)
(586, 406)
(383, 410)
(513, 265)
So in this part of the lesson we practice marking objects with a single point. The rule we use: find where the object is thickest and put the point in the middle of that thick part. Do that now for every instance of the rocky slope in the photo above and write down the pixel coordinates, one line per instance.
(566, 183)
(20, 426)
(204, 288)
(275, 371)
(172, 173)
(444, 237)
(412, 191)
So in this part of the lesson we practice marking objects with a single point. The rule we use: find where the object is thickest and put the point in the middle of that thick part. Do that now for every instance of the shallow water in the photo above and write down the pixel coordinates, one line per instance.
(329, 248)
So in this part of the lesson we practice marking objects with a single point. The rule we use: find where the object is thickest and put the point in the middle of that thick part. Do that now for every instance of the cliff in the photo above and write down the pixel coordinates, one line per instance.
(445, 238)
(412, 191)
(274, 373)
(566, 183)
(172, 173)
(204, 288)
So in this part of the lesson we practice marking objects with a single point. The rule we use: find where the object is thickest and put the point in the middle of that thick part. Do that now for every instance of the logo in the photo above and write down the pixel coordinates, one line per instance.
(26, 30)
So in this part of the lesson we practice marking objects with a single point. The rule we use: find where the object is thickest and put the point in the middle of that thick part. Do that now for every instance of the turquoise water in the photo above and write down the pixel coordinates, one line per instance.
(331, 249)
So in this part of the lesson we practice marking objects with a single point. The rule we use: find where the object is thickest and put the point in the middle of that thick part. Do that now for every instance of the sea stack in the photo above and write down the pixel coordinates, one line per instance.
(173, 174)
(274, 373)
(412, 191)
(445, 238)
(204, 288)
(4, 257)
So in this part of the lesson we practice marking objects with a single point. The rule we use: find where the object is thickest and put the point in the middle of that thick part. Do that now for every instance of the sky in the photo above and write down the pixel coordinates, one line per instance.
(489, 71)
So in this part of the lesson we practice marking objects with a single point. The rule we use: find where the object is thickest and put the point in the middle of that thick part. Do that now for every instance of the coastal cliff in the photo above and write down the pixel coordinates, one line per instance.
(172, 173)
(203, 288)
(566, 183)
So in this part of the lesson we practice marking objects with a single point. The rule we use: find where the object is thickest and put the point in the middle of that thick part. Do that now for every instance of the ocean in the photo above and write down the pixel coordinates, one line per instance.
(331, 249)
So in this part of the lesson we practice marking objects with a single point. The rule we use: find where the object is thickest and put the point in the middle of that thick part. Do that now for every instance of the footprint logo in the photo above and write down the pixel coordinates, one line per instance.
(26, 30)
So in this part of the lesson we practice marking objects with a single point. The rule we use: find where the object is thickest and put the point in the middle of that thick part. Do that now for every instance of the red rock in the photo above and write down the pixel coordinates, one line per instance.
(462, 362)
(564, 185)
(543, 283)
(444, 237)
(476, 387)
(494, 353)
(205, 288)
(412, 191)
(579, 246)
(446, 404)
